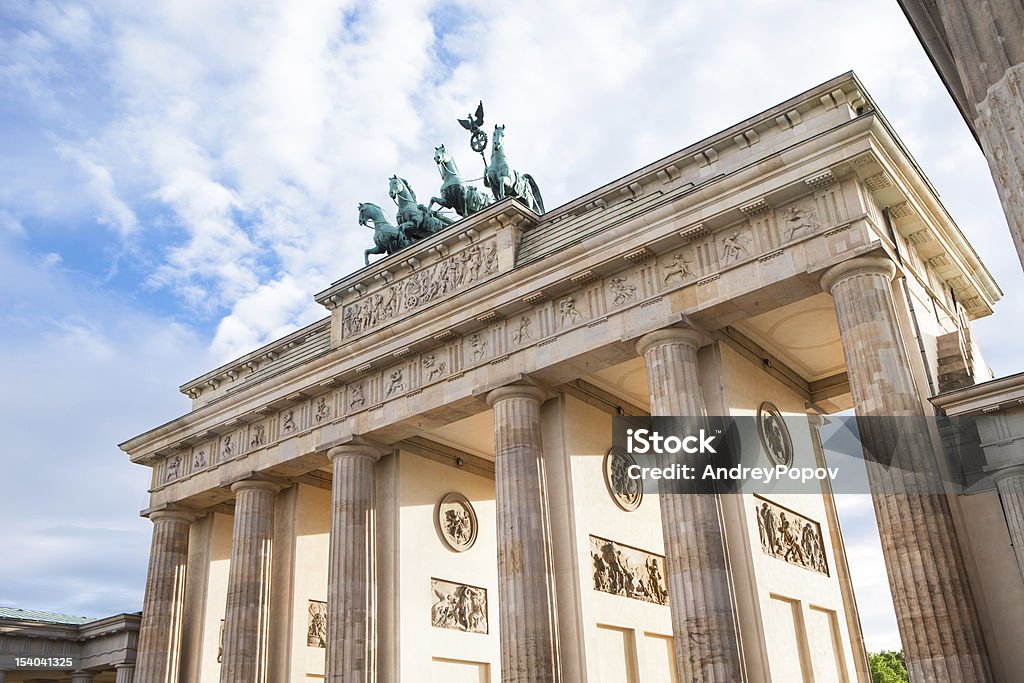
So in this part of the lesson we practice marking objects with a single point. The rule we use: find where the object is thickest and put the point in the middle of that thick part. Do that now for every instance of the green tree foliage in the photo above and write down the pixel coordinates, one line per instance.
(888, 666)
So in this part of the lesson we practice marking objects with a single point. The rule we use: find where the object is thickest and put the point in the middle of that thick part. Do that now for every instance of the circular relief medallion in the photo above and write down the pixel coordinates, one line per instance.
(774, 434)
(456, 521)
(626, 492)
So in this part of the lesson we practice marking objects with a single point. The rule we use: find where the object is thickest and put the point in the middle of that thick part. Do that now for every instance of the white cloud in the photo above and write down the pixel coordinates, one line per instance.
(112, 210)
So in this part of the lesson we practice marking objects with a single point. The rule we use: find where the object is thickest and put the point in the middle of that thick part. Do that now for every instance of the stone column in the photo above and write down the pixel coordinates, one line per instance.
(1010, 482)
(125, 673)
(352, 572)
(81, 677)
(705, 633)
(935, 608)
(248, 601)
(160, 631)
(526, 585)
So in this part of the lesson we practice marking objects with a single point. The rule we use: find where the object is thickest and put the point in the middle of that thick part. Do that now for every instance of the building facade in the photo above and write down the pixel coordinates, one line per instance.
(417, 486)
(61, 647)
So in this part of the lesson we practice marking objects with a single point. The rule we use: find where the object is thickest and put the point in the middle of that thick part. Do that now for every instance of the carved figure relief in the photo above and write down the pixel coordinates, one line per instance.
(323, 410)
(735, 246)
(680, 267)
(397, 383)
(316, 631)
(199, 461)
(458, 607)
(355, 396)
(569, 313)
(627, 493)
(220, 643)
(790, 536)
(479, 346)
(434, 367)
(259, 436)
(428, 283)
(622, 290)
(173, 468)
(774, 434)
(522, 333)
(629, 572)
(796, 220)
(456, 520)
(288, 421)
(227, 448)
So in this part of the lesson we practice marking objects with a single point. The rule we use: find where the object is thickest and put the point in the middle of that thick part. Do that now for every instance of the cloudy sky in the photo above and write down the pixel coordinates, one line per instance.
(177, 177)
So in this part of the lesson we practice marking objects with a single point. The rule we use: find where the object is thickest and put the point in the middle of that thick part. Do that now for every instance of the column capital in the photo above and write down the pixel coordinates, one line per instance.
(687, 336)
(358, 447)
(173, 514)
(862, 265)
(1001, 471)
(256, 484)
(530, 391)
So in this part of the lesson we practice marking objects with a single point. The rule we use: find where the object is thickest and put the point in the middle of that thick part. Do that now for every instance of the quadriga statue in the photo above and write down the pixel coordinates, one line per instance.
(456, 193)
(504, 181)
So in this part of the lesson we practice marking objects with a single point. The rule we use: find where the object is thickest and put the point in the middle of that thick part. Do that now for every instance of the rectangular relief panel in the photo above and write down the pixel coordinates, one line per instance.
(316, 627)
(630, 572)
(458, 607)
(789, 536)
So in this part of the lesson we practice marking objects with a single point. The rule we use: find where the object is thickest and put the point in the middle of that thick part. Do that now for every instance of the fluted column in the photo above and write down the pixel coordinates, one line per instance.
(248, 601)
(986, 40)
(935, 609)
(125, 673)
(81, 677)
(526, 586)
(160, 631)
(704, 627)
(1010, 482)
(352, 576)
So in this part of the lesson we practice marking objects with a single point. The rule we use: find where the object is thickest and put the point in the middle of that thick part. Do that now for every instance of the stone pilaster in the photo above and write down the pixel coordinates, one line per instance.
(526, 586)
(1010, 482)
(248, 601)
(125, 673)
(704, 626)
(935, 608)
(160, 632)
(352, 572)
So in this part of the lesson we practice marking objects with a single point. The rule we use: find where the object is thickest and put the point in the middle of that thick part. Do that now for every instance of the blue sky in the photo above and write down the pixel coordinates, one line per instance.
(177, 178)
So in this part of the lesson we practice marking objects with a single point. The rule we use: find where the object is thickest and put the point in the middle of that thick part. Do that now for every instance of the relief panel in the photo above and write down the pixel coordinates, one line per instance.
(458, 607)
(316, 625)
(430, 283)
(630, 572)
(789, 536)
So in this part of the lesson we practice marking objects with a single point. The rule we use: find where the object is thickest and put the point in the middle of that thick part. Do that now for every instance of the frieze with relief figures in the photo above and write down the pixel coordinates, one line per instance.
(427, 284)
(458, 607)
(789, 536)
(629, 572)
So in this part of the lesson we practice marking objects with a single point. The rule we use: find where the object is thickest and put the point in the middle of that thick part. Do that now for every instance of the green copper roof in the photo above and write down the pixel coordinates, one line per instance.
(47, 617)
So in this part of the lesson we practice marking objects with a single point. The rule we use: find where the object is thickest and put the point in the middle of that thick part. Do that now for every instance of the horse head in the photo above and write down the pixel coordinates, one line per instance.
(369, 212)
(398, 186)
(441, 155)
(499, 134)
